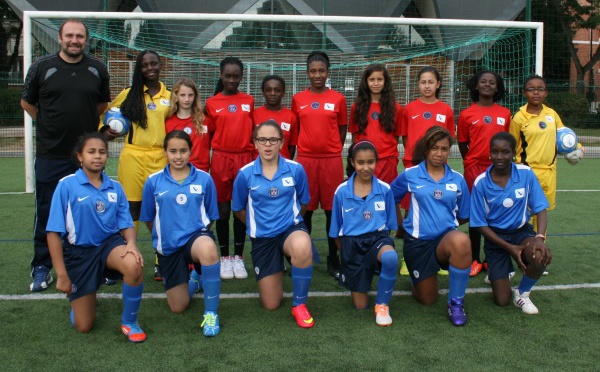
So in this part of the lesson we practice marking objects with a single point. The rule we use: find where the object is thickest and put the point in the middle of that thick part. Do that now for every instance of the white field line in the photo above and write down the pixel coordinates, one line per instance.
(58, 296)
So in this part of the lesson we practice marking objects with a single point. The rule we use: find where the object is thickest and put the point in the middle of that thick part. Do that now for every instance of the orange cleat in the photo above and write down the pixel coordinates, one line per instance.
(133, 332)
(302, 316)
(476, 268)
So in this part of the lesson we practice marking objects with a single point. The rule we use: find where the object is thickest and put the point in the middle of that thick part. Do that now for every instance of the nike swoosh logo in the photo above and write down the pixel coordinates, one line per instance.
(82, 199)
(475, 122)
(162, 193)
(416, 116)
(418, 187)
(255, 187)
(348, 210)
(390, 291)
(301, 107)
(219, 110)
(210, 297)
(308, 321)
(491, 200)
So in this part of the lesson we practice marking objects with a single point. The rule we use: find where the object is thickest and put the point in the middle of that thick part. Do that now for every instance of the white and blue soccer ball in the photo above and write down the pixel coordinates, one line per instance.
(566, 140)
(116, 121)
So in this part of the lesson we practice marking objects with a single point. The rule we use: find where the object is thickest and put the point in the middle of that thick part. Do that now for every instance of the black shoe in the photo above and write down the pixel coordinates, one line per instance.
(333, 266)
(157, 274)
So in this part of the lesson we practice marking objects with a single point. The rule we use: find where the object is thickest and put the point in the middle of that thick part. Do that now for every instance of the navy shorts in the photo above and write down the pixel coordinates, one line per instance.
(359, 259)
(267, 253)
(175, 267)
(498, 259)
(86, 266)
(420, 256)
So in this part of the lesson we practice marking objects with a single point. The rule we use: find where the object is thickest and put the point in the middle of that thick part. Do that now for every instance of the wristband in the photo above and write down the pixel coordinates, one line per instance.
(541, 236)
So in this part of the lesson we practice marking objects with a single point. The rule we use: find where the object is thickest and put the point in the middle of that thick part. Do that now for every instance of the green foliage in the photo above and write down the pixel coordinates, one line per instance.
(571, 107)
(11, 113)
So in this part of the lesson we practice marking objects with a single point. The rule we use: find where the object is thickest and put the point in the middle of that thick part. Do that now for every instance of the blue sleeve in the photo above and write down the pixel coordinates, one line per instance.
(464, 201)
(399, 187)
(390, 206)
(239, 193)
(56, 218)
(302, 185)
(124, 219)
(537, 201)
(336, 215)
(210, 200)
(148, 210)
(478, 213)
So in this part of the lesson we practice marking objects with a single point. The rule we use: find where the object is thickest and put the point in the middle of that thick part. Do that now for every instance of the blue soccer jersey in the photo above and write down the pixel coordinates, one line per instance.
(353, 216)
(85, 215)
(272, 206)
(435, 207)
(178, 210)
(507, 208)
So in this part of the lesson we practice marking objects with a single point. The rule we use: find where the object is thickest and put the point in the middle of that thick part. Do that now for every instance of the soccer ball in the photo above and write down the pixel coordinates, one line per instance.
(566, 140)
(116, 121)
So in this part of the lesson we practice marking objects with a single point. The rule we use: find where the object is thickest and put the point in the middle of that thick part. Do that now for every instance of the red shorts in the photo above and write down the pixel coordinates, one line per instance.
(472, 172)
(324, 176)
(224, 168)
(405, 202)
(387, 169)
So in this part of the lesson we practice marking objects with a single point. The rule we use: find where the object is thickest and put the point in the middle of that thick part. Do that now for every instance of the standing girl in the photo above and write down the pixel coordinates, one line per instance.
(363, 216)
(273, 89)
(322, 116)
(179, 205)
(229, 121)
(375, 116)
(270, 195)
(476, 126)
(186, 114)
(91, 237)
(439, 202)
(503, 199)
(146, 104)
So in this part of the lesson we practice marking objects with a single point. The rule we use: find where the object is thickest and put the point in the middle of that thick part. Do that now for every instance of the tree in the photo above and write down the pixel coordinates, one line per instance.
(11, 28)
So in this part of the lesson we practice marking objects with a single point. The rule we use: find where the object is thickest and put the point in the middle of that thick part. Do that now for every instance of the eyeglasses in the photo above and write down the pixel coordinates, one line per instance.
(531, 90)
(264, 140)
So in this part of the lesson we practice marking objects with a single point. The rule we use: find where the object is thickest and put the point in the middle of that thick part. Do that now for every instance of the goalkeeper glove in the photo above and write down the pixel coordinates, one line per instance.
(574, 156)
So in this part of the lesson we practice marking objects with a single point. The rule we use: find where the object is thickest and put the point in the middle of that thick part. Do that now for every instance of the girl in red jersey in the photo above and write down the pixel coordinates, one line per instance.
(322, 117)
(186, 114)
(477, 124)
(273, 89)
(375, 116)
(228, 116)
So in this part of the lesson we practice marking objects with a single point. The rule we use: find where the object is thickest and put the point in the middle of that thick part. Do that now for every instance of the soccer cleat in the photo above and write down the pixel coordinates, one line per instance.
(133, 332)
(456, 312)
(510, 276)
(157, 274)
(476, 268)
(195, 283)
(485, 265)
(302, 316)
(545, 273)
(239, 271)
(443, 272)
(210, 324)
(522, 300)
(333, 266)
(41, 279)
(404, 269)
(226, 267)
(382, 315)
(109, 281)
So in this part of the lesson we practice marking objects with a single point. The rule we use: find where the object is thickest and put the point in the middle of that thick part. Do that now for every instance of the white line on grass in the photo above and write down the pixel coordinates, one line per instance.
(577, 190)
(57, 296)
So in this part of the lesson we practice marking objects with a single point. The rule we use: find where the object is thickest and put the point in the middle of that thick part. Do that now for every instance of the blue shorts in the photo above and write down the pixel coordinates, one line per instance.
(267, 253)
(420, 256)
(175, 267)
(86, 266)
(498, 259)
(359, 259)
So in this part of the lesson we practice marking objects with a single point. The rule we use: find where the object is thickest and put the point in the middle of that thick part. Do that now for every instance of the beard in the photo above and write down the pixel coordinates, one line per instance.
(72, 54)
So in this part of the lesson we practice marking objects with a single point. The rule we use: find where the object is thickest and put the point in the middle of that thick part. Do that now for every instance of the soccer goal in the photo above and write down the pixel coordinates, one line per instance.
(192, 45)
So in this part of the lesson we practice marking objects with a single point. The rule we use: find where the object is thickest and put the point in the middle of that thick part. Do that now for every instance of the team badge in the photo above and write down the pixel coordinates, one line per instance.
(195, 189)
(188, 130)
(232, 108)
(181, 199)
(438, 194)
(165, 102)
(500, 121)
(427, 115)
(287, 181)
(508, 202)
(273, 192)
(286, 126)
(100, 206)
(367, 215)
(487, 119)
(112, 197)
(520, 193)
(380, 206)
(343, 278)
(329, 106)
(256, 270)
(441, 118)
(451, 187)
(152, 106)
(543, 124)
(416, 274)
(375, 115)
(549, 119)
(315, 105)
(246, 107)
(73, 288)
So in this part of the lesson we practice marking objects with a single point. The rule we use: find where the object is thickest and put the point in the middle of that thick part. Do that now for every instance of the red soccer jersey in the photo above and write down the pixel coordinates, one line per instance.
(320, 115)
(286, 120)
(229, 121)
(476, 126)
(200, 156)
(418, 117)
(385, 143)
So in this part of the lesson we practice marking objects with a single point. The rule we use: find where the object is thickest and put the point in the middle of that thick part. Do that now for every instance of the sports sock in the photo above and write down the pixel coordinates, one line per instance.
(387, 277)
(308, 220)
(475, 237)
(132, 298)
(72, 316)
(459, 278)
(211, 284)
(301, 282)
(333, 251)
(526, 284)
(239, 236)
(223, 236)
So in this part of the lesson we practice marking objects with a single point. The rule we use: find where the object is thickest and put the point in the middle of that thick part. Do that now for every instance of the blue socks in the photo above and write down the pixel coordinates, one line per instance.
(459, 278)
(387, 277)
(132, 298)
(211, 284)
(526, 284)
(301, 281)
